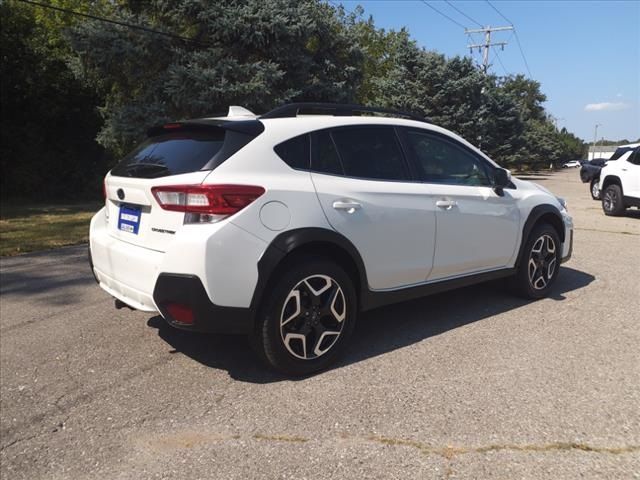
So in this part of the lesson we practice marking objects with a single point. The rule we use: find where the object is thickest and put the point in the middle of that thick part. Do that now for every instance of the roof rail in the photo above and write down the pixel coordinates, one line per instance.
(337, 109)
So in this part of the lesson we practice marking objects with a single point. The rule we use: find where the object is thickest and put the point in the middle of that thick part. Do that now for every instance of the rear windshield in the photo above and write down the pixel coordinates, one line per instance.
(171, 154)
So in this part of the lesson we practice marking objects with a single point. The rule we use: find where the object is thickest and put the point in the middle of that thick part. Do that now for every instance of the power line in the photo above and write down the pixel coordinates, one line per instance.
(524, 58)
(495, 51)
(443, 14)
(114, 22)
(500, 13)
(526, 64)
(486, 30)
(506, 72)
(462, 13)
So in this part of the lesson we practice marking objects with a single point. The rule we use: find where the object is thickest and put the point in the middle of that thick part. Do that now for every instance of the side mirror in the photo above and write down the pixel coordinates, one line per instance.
(501, 180)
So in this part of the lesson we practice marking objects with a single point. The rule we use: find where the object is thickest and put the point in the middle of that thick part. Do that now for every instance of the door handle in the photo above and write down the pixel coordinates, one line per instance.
(446, 204)
(349, 206)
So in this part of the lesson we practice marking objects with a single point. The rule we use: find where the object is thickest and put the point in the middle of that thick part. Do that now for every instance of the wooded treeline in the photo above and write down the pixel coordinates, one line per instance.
(78, 93)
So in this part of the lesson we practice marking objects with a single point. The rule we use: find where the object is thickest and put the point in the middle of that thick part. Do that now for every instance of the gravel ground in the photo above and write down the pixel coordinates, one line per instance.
(469, 384)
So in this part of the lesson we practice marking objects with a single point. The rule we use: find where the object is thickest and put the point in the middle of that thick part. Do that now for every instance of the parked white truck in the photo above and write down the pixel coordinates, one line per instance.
(620, 183)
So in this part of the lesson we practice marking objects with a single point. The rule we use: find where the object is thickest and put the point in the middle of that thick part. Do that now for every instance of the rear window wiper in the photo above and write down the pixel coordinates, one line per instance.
(146, 165)
(135, 167)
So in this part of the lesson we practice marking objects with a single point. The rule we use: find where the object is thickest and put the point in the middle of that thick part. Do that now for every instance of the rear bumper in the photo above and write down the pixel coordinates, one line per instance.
(188, 290)
(112, 261)
(148, 280)
(185, 290)
(587, 174)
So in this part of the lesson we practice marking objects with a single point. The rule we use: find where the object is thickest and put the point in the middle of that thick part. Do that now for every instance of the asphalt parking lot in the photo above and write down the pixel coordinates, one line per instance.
(469, 384)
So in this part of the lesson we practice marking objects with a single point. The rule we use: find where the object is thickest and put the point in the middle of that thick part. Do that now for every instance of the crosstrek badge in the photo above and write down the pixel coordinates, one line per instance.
(129, 219)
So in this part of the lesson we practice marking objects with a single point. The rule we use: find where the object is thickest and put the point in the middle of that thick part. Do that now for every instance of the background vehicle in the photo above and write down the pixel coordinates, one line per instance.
(571, 164)
(590, 172)
(284, 226)
(620, 183)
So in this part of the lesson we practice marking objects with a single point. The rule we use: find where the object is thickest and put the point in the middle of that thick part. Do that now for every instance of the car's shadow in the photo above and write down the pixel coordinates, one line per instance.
(378, 332)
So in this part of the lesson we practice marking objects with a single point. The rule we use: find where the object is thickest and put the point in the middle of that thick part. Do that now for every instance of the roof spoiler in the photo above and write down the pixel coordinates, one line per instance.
(248, 127)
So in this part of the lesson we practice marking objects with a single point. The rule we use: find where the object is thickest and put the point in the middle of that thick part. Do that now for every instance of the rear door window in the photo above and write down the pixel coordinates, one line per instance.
(325, 157)
(370, 152)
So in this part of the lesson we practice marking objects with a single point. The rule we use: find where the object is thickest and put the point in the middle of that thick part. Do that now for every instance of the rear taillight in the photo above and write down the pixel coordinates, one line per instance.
(206, 203)
(180, 313)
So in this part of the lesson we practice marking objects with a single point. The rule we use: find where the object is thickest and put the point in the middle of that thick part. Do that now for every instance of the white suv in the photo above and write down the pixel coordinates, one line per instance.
(620, 183)
(285, 226)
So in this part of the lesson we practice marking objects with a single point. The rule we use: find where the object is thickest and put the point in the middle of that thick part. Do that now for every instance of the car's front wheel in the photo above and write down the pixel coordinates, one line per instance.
(595, 189)
(612, 200)
(307, 318)
(540, 262)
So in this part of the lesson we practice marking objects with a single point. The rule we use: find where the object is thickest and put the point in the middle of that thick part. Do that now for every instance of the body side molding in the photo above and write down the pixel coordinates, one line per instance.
(288, 242)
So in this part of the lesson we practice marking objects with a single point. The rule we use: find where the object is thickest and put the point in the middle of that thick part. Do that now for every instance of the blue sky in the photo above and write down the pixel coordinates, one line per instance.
(586, 54)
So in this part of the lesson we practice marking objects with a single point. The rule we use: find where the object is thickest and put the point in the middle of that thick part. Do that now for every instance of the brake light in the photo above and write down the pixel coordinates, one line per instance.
(218, 201)
(180, 313)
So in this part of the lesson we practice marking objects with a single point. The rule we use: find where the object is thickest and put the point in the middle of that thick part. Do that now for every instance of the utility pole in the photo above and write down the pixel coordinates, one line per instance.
(595, 140)
(487, 43)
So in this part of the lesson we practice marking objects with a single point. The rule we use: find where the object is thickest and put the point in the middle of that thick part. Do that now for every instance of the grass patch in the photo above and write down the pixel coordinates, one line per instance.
(31, 228)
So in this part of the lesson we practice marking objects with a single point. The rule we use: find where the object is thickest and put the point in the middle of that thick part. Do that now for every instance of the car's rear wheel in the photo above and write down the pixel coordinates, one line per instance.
(595, 189)
(307, 318)
(612, 200)
(540, 262)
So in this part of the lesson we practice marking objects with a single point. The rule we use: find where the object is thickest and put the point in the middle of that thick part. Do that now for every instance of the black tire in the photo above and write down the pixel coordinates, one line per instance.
(317, 320)
(594, 189)
(539, 266)
(612, 200)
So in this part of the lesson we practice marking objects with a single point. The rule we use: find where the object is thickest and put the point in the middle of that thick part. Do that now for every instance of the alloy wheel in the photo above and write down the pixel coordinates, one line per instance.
(313, 317)
(542, 262)
(610, 199)
(595, 190)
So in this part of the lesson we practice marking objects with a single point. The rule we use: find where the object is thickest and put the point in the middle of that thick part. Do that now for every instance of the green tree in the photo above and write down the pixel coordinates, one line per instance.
(49, 121)
(452, 93)
(527, 95)
(541, 143)
(572, 147)
(254, 53)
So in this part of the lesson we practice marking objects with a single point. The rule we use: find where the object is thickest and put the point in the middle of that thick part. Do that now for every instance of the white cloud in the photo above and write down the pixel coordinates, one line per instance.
(606, 106)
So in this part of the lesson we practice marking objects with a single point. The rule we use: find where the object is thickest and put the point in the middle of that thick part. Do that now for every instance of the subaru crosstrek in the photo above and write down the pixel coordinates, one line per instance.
(285, 226)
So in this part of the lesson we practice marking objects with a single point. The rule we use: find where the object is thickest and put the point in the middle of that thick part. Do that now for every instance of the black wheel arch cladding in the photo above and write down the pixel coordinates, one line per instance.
(541, 213)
